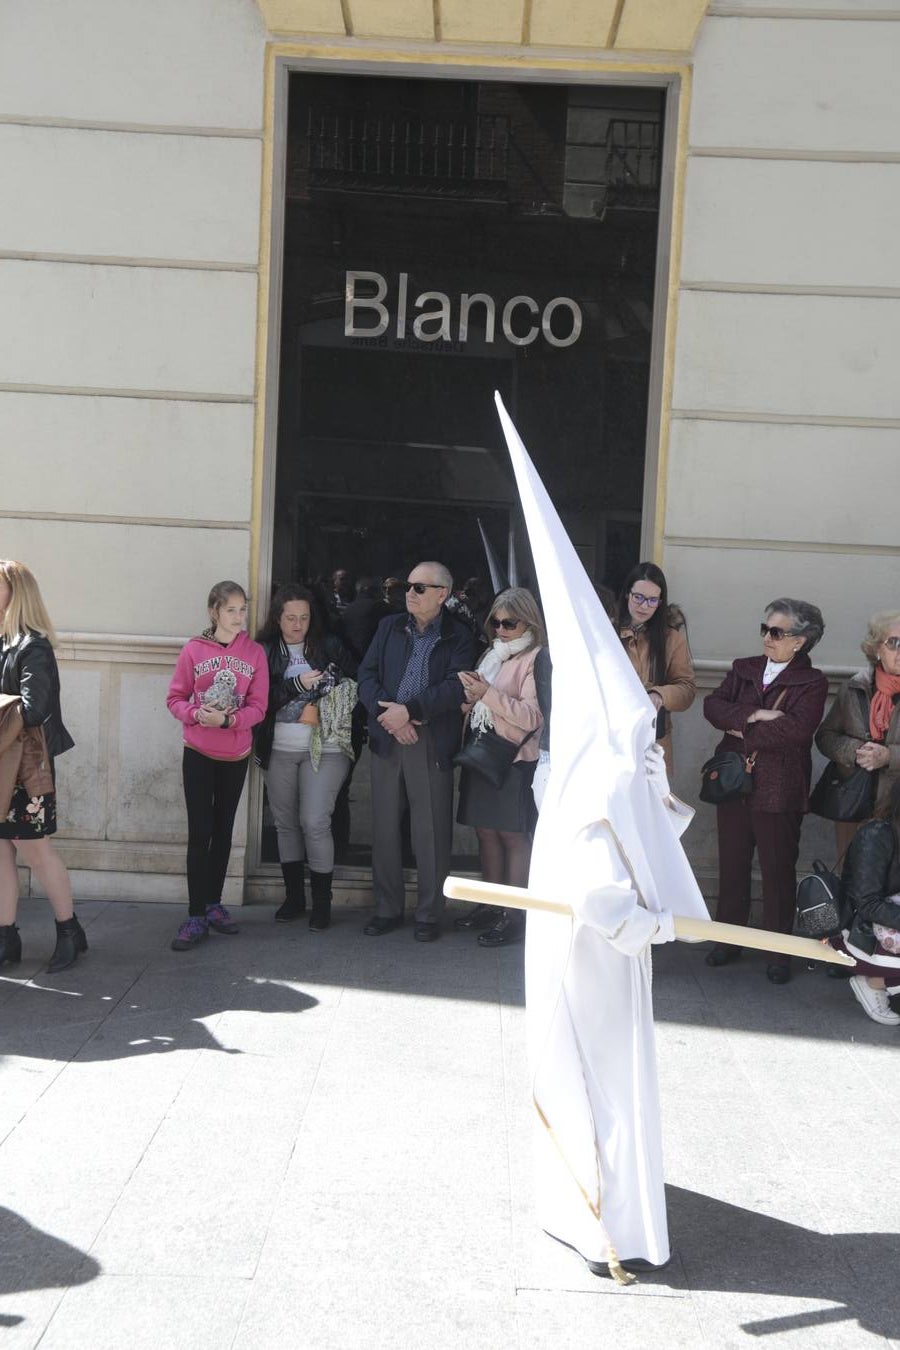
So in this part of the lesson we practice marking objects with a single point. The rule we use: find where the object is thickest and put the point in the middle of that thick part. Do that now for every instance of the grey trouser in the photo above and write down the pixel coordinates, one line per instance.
(409, 774)
(302, 800)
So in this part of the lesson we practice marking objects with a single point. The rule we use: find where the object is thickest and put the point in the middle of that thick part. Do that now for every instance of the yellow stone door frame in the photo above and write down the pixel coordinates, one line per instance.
(281, 59)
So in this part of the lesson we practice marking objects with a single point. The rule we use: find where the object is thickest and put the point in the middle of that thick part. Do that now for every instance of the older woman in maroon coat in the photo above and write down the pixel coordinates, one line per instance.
(769, 705)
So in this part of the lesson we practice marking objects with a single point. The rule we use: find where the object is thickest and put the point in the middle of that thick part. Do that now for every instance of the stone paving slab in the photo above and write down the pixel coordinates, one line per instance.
(294, 1140)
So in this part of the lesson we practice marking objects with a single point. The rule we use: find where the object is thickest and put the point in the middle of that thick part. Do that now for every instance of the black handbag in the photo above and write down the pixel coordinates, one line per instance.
(838, 798)
(729, 775)
(821, 908)
(852, 797)
(726, 777)
(490, 755)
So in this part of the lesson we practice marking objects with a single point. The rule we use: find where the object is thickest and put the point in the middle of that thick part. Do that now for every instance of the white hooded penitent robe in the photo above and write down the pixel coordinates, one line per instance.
(607, 845)
(599, 1182)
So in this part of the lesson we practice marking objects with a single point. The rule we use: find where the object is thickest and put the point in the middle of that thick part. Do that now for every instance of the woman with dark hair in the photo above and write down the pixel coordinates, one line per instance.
(768, 706)
(303, 745)
(871, 878)
(501, 695)
(28, 670)
(218, 693)
(653, 634)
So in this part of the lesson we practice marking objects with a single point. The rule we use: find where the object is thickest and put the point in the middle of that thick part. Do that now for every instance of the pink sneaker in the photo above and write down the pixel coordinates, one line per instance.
(219, 920)
(194, 930)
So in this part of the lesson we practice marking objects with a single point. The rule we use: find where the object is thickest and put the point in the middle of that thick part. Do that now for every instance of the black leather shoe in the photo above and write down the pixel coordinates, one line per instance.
(71, 942)
(508, 929)
(778, 974)
(426, 932)
(10, 945)
(294, 874)
(378, 926)
(722, 953)
(480, 916)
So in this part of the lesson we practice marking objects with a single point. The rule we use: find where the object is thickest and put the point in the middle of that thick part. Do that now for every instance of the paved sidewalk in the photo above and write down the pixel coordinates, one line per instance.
(285, 1139)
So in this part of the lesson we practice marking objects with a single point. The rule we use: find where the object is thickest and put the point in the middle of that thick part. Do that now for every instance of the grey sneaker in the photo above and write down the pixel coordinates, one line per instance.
(874, 1002)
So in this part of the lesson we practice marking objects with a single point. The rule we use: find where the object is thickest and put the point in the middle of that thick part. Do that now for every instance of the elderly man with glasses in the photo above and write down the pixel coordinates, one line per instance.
(408, 683)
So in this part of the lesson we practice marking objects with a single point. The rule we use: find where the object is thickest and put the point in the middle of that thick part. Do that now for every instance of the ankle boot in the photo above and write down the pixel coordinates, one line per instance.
(70, 943)
(10, 945)
(294, 891)
(320, 887)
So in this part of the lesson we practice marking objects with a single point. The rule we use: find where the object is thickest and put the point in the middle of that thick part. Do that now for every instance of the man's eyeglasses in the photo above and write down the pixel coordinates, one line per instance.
(892, 644)
(508, 625)
(420, 587)
(776, 634)
(651, 601)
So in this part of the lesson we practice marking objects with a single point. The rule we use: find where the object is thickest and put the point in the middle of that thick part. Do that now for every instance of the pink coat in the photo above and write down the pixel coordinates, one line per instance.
(233, 680)
(513, 702)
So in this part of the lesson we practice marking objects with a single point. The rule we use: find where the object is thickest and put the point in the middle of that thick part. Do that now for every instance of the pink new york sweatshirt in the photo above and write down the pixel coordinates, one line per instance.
(233, 680)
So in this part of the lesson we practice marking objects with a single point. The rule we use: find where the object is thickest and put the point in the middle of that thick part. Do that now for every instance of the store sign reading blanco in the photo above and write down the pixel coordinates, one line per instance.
(519, 322)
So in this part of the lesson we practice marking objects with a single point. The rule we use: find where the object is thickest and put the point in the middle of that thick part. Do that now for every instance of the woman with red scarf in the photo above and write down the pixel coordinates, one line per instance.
(862, 728)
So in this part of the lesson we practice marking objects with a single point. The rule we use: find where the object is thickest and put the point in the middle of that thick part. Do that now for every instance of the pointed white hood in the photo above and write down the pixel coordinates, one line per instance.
(602, 721)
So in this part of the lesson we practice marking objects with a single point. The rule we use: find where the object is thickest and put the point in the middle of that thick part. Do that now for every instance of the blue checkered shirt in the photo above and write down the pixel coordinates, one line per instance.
(415, 676)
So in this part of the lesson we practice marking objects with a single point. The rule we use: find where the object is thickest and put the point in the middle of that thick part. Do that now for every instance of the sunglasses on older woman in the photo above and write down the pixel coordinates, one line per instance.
(508, 625)
(892, 644)
(776, 634)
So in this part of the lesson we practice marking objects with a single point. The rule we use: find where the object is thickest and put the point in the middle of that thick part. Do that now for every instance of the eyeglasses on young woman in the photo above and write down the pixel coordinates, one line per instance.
(648, 601)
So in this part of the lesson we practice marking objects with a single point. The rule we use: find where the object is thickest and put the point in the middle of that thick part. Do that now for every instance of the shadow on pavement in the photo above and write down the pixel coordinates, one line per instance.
(31, 1259)
(731, 1250)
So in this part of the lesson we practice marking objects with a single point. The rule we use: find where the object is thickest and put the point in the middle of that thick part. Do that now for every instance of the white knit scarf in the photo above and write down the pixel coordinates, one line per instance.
(489, 668)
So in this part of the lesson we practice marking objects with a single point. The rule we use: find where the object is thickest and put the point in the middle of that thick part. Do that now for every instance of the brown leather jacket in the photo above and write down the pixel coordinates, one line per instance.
(23, 755)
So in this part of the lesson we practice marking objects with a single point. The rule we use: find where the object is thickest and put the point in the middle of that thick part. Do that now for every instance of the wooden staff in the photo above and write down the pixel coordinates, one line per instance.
(686, 930)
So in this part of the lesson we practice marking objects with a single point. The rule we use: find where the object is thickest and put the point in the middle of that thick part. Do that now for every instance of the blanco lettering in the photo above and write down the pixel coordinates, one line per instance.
(574, 310)
(401, 304)
(490, 314)
(435, 323)
(441, 315)
(352, 303)
(506, 321)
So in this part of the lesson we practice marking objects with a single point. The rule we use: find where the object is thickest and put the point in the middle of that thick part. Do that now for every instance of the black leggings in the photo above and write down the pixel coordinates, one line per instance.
(212, 790)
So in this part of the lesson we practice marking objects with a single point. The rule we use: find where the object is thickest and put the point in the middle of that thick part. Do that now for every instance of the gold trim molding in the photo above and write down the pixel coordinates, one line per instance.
(659, 26)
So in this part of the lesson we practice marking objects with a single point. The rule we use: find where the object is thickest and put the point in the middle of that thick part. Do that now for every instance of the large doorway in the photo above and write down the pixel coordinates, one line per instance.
(443, 239)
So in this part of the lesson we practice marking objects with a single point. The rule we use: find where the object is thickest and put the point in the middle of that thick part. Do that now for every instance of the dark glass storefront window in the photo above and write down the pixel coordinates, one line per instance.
(444, 239)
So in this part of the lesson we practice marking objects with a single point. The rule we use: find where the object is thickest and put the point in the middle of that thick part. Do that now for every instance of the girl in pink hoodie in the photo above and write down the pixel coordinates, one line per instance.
(219, 692)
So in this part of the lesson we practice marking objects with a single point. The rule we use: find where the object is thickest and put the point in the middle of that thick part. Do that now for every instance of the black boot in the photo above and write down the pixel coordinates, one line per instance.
(10, 945)
(70, 943)
(320, 887)
(294, 890)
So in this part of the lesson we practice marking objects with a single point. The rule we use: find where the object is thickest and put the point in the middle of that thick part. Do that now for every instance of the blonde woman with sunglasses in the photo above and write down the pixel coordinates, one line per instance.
(501, 695)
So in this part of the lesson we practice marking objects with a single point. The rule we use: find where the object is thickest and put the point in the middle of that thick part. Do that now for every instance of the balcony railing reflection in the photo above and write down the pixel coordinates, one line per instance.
(382, 152)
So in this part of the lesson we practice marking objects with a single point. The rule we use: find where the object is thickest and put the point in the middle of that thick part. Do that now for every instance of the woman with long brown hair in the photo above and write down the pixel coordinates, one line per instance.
(653, 634)
(28, 819)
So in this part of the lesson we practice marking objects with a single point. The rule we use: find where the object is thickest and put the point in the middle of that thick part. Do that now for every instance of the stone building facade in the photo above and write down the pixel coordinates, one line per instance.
(141, 264)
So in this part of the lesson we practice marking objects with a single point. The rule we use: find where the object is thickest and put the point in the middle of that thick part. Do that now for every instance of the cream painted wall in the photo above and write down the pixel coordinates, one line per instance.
(129, 247)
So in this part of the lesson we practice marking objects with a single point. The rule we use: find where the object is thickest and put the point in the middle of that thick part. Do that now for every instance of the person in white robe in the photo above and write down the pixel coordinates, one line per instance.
(607, 843)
